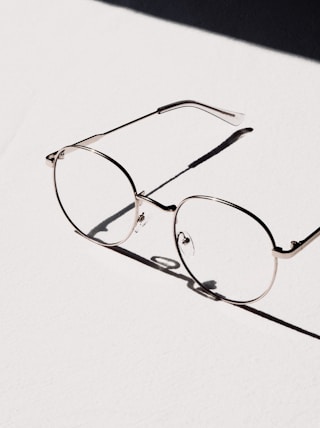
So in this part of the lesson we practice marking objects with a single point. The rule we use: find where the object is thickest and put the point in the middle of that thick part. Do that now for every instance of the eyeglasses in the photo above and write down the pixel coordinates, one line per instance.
(226, 249)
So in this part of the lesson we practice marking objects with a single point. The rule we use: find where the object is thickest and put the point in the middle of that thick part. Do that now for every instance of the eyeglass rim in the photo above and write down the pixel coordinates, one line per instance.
(245, 211)
(137, 201)
(117, 164)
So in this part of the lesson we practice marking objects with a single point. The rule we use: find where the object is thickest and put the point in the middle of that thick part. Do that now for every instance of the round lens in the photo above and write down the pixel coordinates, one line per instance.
(225, 248)
(96, 194)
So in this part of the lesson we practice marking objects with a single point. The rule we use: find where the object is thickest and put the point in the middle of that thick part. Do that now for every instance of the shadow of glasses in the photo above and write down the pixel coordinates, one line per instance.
(169, 266)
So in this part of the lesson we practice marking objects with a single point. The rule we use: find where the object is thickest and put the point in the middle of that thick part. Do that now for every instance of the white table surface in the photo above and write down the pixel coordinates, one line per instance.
(92, 338)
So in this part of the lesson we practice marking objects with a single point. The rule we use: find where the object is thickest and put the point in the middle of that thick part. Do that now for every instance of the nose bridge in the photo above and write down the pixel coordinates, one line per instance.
(169, 208)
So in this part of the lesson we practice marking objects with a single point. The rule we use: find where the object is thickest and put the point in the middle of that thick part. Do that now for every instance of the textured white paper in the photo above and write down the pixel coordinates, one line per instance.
(92, 338)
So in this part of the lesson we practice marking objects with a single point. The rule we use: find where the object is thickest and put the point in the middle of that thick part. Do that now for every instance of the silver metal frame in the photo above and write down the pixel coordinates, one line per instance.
(59, 155)
(250, 214)
(228, 116)
(296, 246)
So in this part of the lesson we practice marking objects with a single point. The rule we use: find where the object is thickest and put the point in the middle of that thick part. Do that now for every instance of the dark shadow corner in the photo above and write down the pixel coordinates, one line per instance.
(291, 27)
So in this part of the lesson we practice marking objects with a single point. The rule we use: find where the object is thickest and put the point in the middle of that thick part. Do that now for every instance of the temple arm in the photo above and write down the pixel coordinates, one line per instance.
(296, 246)
(228, 116)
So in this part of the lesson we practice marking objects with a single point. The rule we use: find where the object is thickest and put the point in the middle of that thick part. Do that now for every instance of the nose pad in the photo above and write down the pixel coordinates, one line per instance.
(185, 243)
(142, 220)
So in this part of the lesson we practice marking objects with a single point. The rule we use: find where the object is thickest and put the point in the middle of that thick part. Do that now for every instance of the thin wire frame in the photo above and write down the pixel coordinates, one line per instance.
(254, 218)
(230, 117)
(60, 155)
(138, 198)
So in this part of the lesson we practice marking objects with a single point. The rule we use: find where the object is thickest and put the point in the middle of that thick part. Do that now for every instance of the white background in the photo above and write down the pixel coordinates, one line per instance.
(91, 338)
